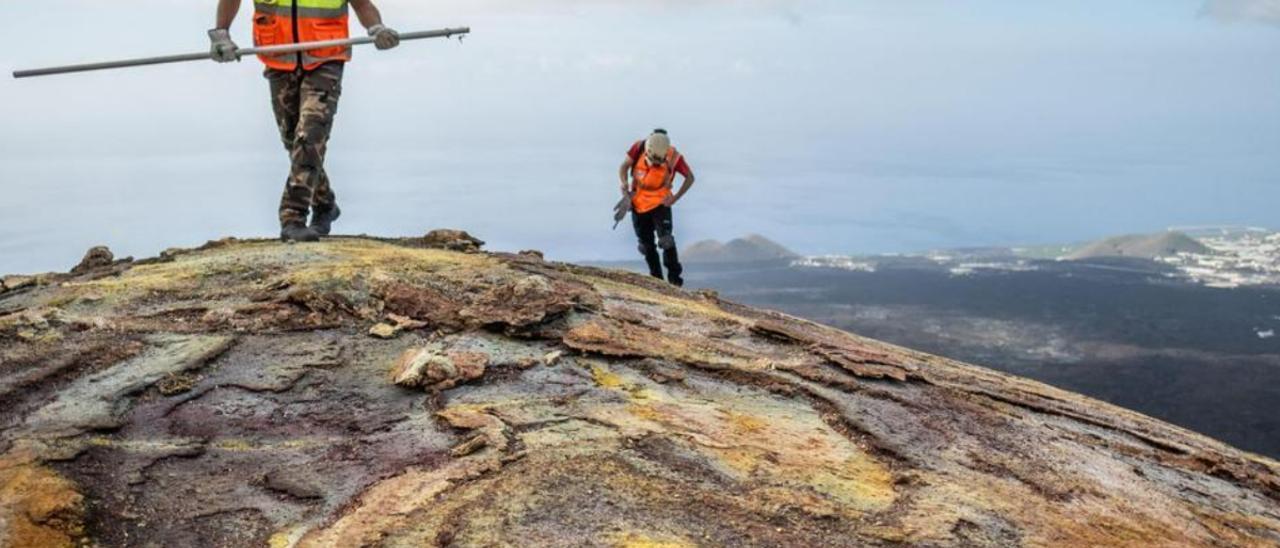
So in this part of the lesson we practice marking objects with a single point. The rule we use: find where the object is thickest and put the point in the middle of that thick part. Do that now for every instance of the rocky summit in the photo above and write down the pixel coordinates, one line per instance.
(419, 392)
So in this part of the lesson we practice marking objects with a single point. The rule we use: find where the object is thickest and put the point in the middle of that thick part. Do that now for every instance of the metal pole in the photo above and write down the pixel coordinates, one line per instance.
(205, 56)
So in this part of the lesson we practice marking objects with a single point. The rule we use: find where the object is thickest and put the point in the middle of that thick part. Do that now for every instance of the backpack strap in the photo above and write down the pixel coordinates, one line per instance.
(673, 160)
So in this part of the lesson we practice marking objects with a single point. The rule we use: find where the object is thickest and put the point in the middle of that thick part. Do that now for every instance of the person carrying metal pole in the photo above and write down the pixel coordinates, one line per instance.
(305, 87)
(652, 165)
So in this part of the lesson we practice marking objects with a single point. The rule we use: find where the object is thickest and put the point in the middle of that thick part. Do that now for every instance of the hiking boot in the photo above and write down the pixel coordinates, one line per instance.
(322, 219)
(676, 281)
(298, 233)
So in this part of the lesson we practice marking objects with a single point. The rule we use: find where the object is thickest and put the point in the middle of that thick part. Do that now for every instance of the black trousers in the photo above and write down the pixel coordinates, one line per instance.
(657, 222)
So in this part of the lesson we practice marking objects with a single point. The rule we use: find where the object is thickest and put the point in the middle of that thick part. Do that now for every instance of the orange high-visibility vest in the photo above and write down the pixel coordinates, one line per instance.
(653, 183)
(278, 22)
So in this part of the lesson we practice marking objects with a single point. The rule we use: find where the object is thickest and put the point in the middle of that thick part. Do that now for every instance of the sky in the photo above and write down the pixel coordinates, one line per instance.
(832, 126)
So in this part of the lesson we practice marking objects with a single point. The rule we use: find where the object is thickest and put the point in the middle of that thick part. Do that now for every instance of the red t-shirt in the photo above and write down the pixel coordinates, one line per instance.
(682, 167)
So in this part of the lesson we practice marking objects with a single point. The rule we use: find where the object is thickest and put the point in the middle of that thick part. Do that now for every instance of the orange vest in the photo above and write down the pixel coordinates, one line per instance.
(279, 22)
(652, 183)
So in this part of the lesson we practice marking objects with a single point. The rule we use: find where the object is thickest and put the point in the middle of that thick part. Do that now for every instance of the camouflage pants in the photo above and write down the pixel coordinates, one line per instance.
(305, 103)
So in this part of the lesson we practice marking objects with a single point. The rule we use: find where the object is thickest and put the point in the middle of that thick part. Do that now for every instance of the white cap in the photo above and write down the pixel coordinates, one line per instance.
(657, 145)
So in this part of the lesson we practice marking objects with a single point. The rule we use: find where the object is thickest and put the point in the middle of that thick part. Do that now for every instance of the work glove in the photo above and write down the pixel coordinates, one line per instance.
(383, 37)
(222, 49)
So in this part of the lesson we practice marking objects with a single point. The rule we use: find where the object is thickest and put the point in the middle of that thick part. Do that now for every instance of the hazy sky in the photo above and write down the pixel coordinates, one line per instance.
(834, 126)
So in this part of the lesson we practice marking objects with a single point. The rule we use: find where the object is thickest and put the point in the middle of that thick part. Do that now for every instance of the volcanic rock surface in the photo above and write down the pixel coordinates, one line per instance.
(239, 395)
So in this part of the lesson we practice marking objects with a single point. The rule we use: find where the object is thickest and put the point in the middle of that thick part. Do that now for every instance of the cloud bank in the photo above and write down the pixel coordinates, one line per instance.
(1264, 11)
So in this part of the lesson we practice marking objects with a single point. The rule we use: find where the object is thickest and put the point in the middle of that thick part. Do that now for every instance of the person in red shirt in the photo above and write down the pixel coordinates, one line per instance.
(647, 176)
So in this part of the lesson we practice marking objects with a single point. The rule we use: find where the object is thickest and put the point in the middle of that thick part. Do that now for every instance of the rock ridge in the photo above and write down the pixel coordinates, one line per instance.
(243, 393)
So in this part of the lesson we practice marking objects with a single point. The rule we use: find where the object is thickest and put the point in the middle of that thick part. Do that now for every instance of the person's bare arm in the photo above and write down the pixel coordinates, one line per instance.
(624, 172)
(371, 18)
(227, 10)
(366, 12)
(684, 187)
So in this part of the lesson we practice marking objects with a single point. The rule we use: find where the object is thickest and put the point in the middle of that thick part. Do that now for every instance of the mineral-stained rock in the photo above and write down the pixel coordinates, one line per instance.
(404, 322)
(231, 396)
(98, 401)
(527, 301)
(426, 304)
(436, 370)
(384, 331)
(470, 446)
(177, 383)
(410, 369)
(38, 507)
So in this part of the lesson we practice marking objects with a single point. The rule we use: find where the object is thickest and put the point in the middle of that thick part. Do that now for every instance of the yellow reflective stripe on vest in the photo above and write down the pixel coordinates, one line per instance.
(319, 4)
(308, 59)
(319, 9)
(304, 12)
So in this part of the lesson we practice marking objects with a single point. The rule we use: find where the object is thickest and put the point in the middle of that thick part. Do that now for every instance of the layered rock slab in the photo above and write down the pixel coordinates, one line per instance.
(232, 395)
